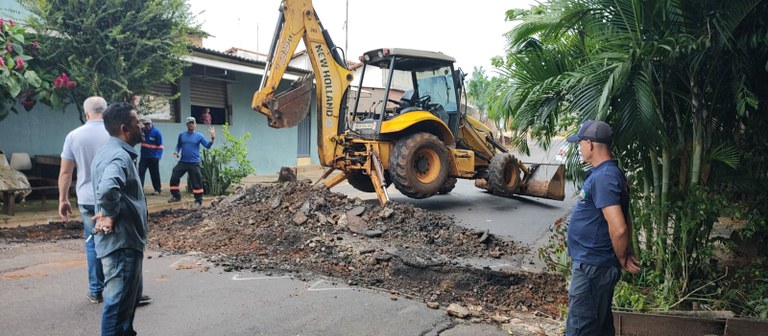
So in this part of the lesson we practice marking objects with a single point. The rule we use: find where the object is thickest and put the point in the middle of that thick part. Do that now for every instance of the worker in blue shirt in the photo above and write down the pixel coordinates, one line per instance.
(188, 150)
(599, 234)
(151, 153)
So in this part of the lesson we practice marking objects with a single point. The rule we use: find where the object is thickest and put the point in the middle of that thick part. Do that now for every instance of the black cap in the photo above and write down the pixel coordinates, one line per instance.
(593, 130)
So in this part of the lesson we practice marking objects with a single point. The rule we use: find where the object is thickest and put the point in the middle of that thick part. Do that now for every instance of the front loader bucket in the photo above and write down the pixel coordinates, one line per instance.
(289, 108)
(544, 180)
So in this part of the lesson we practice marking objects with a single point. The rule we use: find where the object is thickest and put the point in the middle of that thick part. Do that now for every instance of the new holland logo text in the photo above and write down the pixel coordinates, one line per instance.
(326, 73)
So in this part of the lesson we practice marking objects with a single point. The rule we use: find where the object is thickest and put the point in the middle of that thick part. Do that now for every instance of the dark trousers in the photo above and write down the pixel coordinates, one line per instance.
(193, 169)
(589, 300)
(154, 171)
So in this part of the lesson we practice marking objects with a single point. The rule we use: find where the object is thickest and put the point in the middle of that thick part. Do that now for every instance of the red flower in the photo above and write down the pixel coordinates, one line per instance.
(10, 22)
(63, 82)
(2, 62)
(28, 103)
(2, 22)
(9, 46)
(19, 63)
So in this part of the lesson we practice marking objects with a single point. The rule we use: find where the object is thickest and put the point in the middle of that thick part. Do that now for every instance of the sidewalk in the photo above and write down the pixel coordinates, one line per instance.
(30, 213)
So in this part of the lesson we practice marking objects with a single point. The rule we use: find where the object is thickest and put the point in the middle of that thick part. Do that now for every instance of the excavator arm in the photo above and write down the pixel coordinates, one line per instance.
(298, 21)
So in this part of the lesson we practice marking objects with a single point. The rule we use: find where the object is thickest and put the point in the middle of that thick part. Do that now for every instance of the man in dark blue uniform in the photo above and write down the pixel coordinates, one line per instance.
(599, 235)
(151, 153)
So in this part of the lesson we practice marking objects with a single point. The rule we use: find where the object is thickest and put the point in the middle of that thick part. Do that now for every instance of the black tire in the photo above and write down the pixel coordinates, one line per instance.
(418, 165)
(364, 183)
(450, 183)
(504, 175)
(361, 182)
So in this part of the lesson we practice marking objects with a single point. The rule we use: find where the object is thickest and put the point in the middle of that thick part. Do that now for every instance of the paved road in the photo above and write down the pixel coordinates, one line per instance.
(42, 286)
(42, 292)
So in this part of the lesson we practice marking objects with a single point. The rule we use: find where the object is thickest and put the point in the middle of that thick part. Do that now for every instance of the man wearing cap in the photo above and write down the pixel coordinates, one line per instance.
(598, 235)
(188, 150)
(151, 152)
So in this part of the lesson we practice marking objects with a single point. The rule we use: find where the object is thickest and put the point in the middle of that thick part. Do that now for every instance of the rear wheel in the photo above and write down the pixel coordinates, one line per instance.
(504, 175)
(450, 183)
(419, 165)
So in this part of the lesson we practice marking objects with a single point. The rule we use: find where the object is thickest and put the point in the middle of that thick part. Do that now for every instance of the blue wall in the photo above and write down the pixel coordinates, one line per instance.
(42, 131)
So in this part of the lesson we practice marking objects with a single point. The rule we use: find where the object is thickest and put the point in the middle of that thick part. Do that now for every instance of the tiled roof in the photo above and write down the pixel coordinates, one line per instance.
(232, 57)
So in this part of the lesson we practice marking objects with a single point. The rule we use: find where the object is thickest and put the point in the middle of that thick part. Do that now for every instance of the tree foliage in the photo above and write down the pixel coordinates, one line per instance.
(23, 79)
(113, 48)
(680, 82)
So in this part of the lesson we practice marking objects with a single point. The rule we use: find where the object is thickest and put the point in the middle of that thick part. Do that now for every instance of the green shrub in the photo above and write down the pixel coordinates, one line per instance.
(225, 165)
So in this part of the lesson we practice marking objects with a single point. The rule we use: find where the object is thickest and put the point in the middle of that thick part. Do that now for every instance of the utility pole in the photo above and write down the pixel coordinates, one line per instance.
(346, 31)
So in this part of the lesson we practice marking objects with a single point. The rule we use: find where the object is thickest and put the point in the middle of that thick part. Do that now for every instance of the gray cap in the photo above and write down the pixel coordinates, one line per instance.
(145, 120)
(191, 120)
(593, 130)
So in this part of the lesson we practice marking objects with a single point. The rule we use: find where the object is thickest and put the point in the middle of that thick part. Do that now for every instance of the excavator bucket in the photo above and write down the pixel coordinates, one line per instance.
(544, 180)
(289, 108)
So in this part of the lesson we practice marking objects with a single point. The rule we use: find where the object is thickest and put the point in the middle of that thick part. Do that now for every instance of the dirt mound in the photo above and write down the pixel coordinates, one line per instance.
(44, 232)
(303, 230)
(294, 227)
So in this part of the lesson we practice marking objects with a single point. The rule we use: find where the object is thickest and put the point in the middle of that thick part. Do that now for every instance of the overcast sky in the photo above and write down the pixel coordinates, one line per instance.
(470, 31)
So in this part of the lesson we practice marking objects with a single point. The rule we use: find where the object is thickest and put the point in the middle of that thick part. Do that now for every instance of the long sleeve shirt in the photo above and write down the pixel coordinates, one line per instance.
(152, 146)
(120, 196)
(189, 146)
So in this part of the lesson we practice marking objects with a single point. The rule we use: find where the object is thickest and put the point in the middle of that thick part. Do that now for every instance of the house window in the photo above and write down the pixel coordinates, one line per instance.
(162, 104)
(217, 116)
(211, 94)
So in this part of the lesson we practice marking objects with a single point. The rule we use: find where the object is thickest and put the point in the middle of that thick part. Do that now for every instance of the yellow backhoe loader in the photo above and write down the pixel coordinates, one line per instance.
(419, 139)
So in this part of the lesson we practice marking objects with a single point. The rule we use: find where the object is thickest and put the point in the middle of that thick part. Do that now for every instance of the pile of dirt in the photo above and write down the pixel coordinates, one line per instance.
(296, 228)
(302, 230)
(46, 232)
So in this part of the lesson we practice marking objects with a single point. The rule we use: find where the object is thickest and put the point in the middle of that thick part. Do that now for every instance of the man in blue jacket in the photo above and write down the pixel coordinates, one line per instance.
(151, 153)
(188, 145)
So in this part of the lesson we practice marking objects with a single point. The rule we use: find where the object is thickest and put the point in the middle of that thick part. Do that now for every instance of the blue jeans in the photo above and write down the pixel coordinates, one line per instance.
(122, 291)
(589, 300)
(95, 271)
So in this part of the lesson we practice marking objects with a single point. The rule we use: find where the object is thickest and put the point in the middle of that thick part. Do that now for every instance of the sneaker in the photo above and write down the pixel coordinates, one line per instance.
(94, 297)
(174, 199)
(156, 192)
(145, 299)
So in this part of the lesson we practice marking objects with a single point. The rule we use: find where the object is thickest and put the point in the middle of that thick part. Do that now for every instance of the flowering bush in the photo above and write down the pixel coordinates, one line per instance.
(22, 78)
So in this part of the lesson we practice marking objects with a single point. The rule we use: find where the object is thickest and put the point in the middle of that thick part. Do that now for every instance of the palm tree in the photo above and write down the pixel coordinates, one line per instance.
(675, 79)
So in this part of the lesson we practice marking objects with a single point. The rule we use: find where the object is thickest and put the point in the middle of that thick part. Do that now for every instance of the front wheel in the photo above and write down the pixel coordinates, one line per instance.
(504, 175)
(419, 165)
(363, 182)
